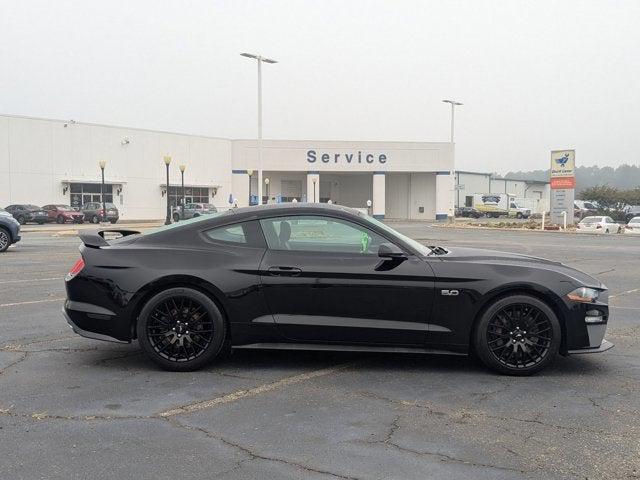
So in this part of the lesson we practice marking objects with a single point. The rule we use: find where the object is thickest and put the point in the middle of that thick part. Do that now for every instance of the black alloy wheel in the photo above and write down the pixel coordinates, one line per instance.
(518, 335)
(181, 329)
(21, 220)
(60, 219)
(5, 240)
(95, 219)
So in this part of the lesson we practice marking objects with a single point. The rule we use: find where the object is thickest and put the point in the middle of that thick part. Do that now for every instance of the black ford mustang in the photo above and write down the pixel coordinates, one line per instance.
(321, 277)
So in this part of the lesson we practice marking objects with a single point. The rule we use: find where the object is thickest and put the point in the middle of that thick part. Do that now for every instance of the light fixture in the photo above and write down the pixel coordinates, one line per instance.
(266, 181)
(249, 172)
(183, 167)
(102, 164)
(167, 159)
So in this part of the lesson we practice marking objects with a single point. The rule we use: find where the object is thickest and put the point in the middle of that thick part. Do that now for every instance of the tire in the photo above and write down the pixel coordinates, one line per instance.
(518, 215)
(113, 221)
(176, 217)
(60, 219)
(95, 219)
(163, 313)
(21, 220)
(5, 239)
(501, 340)
(606, 231)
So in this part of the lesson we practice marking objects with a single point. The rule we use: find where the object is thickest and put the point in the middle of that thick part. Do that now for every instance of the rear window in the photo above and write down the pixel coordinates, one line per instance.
(635, 220)
(184, 223)
(229, 234)
(591, 220)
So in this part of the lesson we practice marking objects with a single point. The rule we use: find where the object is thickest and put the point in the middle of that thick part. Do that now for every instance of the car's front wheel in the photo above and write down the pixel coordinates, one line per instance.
(95, 219)
(517, 335)
(5, 239)
(181, 329)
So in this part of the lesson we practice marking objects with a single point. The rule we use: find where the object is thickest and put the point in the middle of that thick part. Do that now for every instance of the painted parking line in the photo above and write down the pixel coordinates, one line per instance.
(624, 293)
(4, 282)
(252, 392)
(31, 302)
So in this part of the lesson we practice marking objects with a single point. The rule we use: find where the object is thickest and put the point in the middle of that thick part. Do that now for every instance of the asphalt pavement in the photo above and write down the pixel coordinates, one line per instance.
(73, 408)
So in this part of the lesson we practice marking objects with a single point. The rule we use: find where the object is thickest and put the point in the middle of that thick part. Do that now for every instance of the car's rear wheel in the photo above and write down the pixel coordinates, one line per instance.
(181, 329)
(176, 217)
(113, 220)
(60, 219)
(95, 219)
(517, 335)
(5, 239)
(21, 220)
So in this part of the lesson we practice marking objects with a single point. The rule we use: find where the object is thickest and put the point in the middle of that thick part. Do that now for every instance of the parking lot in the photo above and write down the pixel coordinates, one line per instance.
(72, 407)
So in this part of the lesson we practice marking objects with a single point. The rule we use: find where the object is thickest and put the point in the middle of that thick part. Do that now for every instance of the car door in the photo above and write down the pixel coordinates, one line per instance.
(324, 282)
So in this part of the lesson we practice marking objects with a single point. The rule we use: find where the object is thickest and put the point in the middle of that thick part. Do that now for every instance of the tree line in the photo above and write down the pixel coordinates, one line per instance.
(624, 177)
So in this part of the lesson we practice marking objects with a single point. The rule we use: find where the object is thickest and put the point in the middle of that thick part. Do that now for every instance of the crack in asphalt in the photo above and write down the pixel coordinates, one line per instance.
(255, 455)
(16, 362)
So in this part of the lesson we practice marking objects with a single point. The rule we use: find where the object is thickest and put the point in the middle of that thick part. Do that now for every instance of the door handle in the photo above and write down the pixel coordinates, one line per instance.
(283, 271)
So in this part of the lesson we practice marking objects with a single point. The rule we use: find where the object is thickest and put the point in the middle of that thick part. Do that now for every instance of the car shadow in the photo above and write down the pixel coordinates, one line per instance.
(245, 361)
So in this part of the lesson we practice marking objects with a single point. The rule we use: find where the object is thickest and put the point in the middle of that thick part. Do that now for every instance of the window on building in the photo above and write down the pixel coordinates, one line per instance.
(468, 201)
(291, 189)
(191, 195)
(83, 193)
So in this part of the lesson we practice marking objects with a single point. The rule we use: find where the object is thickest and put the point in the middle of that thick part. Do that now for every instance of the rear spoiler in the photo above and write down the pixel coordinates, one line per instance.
(95, 238)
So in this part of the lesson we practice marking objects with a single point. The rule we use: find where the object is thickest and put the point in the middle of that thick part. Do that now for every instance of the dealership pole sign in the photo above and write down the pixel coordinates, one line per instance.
(563, 184)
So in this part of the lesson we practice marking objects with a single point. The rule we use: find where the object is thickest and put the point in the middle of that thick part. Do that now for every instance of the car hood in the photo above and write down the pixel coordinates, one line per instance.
(478, 255)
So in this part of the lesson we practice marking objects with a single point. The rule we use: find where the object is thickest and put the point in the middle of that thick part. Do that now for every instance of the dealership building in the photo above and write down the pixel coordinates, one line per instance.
(55, 161)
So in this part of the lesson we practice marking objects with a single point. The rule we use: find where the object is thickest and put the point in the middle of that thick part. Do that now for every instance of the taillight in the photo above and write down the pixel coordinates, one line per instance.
(598, 226)
(75, 270)
(629, 227)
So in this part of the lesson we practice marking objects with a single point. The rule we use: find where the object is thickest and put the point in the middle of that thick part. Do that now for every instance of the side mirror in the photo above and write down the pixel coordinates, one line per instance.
(389, 250)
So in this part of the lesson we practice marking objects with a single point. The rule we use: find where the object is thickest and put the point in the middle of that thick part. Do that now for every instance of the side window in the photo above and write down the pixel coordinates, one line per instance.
(609, 220)
(319, 234)
(230, 234)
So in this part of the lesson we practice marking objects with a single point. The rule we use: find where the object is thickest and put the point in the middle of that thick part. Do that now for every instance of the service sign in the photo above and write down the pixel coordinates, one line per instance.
(563, 163)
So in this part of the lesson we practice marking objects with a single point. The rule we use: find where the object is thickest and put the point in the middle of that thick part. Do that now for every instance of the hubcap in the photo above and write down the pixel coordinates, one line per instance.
(519, 335)
(4, 240)
(180, 329)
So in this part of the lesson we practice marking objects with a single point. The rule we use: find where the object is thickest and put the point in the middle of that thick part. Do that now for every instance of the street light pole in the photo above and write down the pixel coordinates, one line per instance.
(102, 164)
(167, 161)
(453, 155)
(249, 172)
(183, 167)
(259, 59)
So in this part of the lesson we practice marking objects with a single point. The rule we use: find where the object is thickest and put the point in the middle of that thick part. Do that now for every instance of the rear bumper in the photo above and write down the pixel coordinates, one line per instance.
(90, 321)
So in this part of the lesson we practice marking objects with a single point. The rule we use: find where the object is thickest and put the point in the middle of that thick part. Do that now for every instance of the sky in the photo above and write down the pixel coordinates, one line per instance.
(533, 75)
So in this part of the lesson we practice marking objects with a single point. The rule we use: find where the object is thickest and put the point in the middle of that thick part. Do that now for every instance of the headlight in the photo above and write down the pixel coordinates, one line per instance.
(584, 294)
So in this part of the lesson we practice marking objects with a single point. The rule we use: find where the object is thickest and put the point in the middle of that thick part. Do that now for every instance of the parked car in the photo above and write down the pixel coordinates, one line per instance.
(28, 214)
(9, 230)
(583, 209)
(192, 210)
(633, 227)
(323, 277)
(470, 212)
(63, 214)
(93, 213)
(631, 211)
(598, 225)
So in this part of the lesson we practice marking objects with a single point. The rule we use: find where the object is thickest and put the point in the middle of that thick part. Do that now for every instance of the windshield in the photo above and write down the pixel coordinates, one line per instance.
(422, 249)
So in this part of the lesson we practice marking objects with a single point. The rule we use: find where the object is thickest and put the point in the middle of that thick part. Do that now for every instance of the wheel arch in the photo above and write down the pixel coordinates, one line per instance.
(175, 281)
(550, 298)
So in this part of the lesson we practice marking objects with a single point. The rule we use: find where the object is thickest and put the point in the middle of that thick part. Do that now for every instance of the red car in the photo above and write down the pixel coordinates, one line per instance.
(63, 214)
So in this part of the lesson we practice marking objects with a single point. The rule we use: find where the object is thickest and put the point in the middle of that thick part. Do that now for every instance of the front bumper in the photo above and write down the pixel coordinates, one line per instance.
(604, 346)
(93, 317)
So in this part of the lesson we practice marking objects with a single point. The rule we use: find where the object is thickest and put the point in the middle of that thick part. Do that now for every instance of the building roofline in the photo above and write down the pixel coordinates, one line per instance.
(149, 130)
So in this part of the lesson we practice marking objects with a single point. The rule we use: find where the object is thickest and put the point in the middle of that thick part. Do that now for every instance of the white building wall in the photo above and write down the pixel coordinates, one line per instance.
(37, 156)
(473, 183)
(40, 157)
